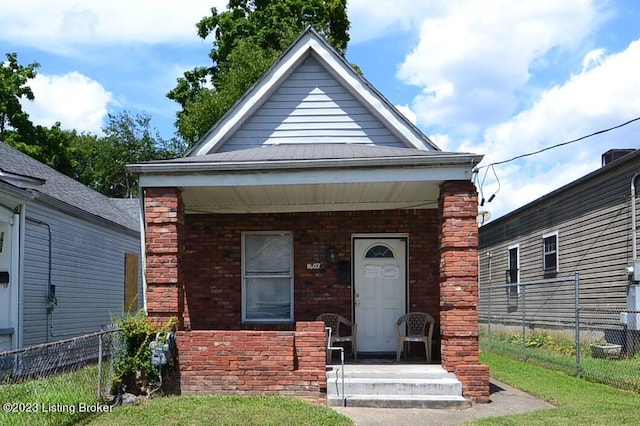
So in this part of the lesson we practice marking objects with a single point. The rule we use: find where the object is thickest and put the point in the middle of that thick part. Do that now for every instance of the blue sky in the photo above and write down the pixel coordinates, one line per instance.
(496, 77)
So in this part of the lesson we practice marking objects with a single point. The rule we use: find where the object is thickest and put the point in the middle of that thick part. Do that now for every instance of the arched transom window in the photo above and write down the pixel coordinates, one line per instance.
(379, 251)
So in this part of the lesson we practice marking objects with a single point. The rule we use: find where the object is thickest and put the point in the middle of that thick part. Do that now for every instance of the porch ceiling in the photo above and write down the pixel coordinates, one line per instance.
(311, 197)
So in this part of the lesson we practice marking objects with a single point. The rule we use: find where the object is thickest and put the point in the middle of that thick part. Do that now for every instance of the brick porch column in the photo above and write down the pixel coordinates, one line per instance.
(164, 223)
(459, 288)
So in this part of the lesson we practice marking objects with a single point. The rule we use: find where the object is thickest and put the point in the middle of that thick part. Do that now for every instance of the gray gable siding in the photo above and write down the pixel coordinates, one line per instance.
(593, 222)
(87, 268)
(311, 106)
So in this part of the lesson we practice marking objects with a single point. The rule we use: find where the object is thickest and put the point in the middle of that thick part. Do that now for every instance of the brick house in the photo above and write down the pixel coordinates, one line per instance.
(312, 194)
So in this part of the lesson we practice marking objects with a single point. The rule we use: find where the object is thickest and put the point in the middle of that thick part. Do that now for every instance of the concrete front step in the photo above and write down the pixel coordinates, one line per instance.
(394, 386)
(446, 402)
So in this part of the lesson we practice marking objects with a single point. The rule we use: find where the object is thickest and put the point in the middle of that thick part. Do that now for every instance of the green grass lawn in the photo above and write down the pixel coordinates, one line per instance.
(222, 411)
(51, 401)
(578, 402)
(559, 354)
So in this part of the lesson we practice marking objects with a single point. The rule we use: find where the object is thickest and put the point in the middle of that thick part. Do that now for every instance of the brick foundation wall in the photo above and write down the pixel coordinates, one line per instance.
(253, 362)
(459, 289)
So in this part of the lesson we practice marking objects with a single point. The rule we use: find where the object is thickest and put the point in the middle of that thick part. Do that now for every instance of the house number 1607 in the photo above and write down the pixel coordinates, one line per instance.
(314, 266)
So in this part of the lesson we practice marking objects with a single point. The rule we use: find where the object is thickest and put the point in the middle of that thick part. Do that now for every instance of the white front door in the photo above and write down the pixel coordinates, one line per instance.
(5, 288)
(380, 272)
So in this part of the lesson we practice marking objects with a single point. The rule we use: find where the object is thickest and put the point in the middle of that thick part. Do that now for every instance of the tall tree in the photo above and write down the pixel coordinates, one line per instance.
(248, 37)
(14, 122)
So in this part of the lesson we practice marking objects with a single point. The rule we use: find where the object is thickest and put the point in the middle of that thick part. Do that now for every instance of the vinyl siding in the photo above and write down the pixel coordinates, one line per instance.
(593, 221)
(311, 107)
(87, 268)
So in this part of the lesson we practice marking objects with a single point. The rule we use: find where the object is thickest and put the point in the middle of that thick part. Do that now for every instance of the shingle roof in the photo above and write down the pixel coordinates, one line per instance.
(68, 191)
(293, 152)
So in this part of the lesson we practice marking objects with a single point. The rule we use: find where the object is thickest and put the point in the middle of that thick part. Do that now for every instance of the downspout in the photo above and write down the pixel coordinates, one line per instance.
(143, 252)
(20, 240)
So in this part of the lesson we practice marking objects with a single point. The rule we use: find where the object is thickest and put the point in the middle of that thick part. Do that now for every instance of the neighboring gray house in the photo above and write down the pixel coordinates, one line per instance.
(69, 256)
(584, 226)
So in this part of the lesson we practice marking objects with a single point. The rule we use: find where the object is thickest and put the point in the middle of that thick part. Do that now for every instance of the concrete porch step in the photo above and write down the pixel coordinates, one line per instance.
(443, 402)
(395, 386)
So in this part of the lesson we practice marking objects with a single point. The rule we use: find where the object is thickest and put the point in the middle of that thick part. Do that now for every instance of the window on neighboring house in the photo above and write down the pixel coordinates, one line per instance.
(513, 273)
(267, 276)
(550, 261)
(513, 278)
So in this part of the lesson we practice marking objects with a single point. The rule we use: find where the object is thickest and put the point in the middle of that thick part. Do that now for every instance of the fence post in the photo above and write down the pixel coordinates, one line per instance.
(577, 315)
(99, 364)
(524, 317)
(489, 320)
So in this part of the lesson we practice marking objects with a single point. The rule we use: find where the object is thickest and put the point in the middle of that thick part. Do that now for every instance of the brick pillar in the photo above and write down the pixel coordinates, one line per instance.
(164, 223)
(459, 287)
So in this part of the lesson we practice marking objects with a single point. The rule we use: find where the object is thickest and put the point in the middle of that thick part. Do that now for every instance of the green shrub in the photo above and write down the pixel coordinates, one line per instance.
(133, 369)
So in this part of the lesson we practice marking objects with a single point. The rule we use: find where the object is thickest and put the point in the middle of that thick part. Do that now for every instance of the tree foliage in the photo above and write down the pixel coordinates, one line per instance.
(101, 162)
(248, 37)
(13, 88)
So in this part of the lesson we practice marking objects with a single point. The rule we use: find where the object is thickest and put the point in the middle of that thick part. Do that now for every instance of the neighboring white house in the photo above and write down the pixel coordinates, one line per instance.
(69, 256)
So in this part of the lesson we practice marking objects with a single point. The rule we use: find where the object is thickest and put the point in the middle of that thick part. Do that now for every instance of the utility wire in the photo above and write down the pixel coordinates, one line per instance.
(561, 144)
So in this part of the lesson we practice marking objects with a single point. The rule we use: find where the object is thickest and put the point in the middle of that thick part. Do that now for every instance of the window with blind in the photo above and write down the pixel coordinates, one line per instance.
(267, 277)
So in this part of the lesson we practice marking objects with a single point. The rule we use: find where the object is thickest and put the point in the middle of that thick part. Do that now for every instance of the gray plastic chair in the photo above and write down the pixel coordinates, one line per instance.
(416, 324)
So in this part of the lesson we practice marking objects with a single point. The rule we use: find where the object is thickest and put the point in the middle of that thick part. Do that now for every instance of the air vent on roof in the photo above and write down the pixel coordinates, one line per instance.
(614, 154)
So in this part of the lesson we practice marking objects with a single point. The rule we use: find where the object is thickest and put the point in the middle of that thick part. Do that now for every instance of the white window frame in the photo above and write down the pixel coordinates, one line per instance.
(544, 252)
(246, 276)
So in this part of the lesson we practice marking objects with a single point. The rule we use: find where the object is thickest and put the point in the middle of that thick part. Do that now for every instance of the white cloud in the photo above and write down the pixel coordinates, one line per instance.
(406, 111)
(63, 24)
(473, 56)
(593, 58)
(372, 19)
(74, 100)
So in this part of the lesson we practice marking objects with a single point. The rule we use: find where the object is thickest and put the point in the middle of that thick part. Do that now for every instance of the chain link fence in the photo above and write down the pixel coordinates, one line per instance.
(85, 361)
(546, 322)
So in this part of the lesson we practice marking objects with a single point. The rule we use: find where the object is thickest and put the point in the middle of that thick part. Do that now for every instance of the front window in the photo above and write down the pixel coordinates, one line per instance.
(267, 269)
(550, 242)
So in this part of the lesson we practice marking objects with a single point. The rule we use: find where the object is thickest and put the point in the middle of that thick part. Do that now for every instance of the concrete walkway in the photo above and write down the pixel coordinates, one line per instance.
(505, 400)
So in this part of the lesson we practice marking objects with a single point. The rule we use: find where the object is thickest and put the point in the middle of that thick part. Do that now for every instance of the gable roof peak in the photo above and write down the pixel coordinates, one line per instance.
(311, 43)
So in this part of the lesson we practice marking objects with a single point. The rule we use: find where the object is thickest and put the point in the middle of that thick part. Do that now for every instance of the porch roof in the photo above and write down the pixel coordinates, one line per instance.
(309, 177)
